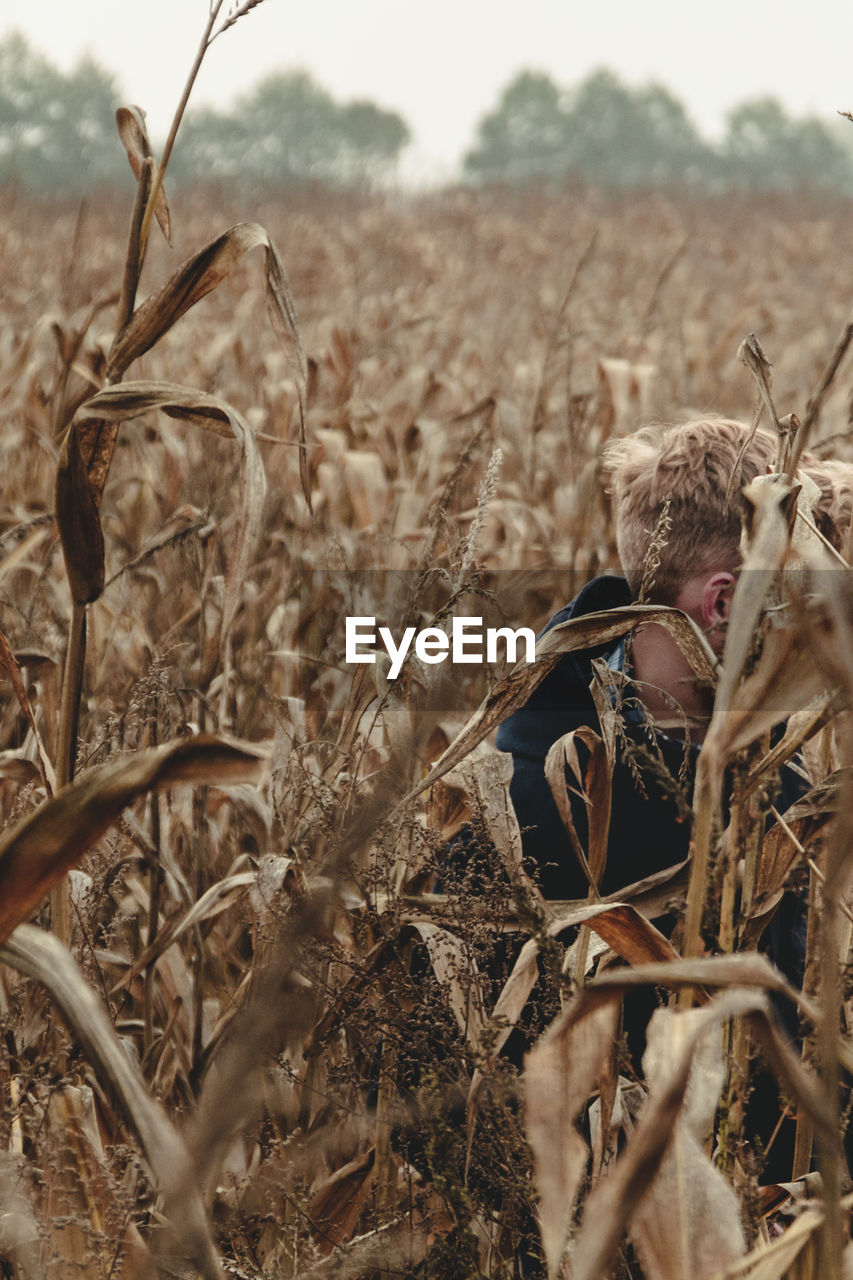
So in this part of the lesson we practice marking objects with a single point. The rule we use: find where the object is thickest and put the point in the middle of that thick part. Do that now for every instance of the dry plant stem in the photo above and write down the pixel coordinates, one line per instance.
(69, 718)
(660, 284)
(386, 1173)
(153, 904)
(704, 803)
(804, 1133)
(738, 1075)
(538, 420)
(804, 1137)
(750, 832)
(730, 1105)
(200, 799)
(728, 900)
(829, 1150)
(173, 133)
(819, 395)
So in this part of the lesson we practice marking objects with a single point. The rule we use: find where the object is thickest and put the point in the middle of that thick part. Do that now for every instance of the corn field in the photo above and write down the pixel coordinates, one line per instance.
(255, 1020)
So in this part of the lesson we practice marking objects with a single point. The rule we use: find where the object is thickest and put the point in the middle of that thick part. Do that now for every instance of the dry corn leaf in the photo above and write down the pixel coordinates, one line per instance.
(38, 850)
(807, 821)
(79, 490)
(18, 767)
(768, 547)
(688, 1223)
(337, 1204)
(568, 637)
(595, 782)
(133, 132)
(801, 726)
(774, 1261)
(197, 277)
(619, 1195)
(212, 903)
(747, 969)
(41, 956)
(559, 1074)
(9, 664)
(627, 932)
(491, 774)
(751, 353)
(79, 524)
(786, 679)
(624, 929)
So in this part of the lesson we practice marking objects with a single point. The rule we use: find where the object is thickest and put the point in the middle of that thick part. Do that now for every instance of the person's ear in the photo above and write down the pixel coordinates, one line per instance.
(716, 599)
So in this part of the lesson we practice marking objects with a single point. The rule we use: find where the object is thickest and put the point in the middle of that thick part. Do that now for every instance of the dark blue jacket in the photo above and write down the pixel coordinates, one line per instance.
(648, 832)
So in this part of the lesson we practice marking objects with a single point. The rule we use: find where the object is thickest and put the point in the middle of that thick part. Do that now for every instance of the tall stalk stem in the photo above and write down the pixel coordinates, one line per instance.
(160, 171)
(69, 720)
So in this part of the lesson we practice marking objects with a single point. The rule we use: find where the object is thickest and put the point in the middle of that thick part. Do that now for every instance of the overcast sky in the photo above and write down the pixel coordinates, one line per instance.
(443, 63)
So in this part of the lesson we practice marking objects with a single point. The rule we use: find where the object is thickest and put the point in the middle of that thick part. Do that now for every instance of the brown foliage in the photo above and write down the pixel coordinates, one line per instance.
(280, 1027)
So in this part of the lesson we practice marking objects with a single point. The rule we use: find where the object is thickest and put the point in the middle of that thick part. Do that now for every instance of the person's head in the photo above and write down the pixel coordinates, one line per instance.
(677, 535)
(673, 522)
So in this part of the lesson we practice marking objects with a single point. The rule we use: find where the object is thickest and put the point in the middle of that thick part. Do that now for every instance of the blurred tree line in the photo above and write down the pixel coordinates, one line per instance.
(57, 132)
(607, 133)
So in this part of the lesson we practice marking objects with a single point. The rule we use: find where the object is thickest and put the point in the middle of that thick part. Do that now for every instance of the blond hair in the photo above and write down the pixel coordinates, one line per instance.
(834, 508)
(688, 470)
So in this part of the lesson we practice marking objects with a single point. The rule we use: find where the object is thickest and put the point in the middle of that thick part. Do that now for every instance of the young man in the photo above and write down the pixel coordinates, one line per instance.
(679, 543)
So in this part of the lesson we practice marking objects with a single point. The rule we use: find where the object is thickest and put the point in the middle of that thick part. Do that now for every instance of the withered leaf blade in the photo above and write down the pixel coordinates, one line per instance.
(625, 930)
(131, 399)
(786, 679)
(79, 523)
(9, 664)
(491, 775)
(567, 637)
(751, 353)
(617, 1196)
(213, 901)
(746, 969)
(767, 551)
(559, 1074)
(39, 849)
(41, 956)
(97, 441)
(688, 1222)
(18, 767)
(595, 784)
(198, 277)
(808, 820)
(774, 1261)
(339, 1201)
(133, 132)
